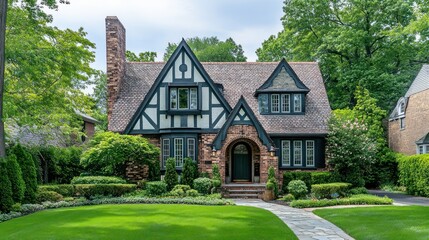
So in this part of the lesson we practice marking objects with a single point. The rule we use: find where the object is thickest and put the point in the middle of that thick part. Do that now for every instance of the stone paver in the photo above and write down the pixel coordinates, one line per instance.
(304, 224)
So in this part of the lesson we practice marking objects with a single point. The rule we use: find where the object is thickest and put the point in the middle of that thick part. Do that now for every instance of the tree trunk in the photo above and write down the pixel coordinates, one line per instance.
(3, 11)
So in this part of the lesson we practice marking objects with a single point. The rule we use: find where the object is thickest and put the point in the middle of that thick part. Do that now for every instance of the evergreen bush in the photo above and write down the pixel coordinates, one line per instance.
(203, 185)
(6, 200)
(290, 176)
(330, 190)
(171, 176)
(51, 196)
(272, 180)
(97, 180)
(156, 188)
(414, 174)
(15, 178)
(297, 188)
(26, 162)
(188, 173)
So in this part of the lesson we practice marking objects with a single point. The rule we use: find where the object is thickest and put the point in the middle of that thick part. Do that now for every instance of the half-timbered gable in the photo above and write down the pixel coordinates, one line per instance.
(279, 117)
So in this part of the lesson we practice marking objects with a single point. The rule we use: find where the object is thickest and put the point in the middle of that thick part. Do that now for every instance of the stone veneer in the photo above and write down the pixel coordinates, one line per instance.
(115, 54)
(416, 124)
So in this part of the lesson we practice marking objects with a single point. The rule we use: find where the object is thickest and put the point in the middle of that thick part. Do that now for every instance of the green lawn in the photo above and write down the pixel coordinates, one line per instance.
(145, 221)
(393, 222)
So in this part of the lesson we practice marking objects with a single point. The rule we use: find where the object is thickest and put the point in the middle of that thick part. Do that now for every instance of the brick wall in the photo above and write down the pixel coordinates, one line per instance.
(115, 54)
(416, 124)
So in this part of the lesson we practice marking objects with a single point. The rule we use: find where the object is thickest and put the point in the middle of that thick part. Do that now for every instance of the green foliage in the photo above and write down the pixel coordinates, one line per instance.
(142, 57)
(216, 172)
(290, 176)
(414, 174)
(51, 196)
(211, 50)
(6, 197)
(203, 185)
(353, 200)
(297, 188)
(180, 191)
(156, 188)
(171, 177)
(355, 44)
(288, 198)
(358, 190)
(15, 177)
(185, 188)
(192, 193)
(97, 180)
(321, 177)
(109, 152)
(114, 190)
(272, 180)
(26, 162)
(67, 190)
(349, 149)
(57, 164)
(330, 190)
(189, 172)
(46, 70)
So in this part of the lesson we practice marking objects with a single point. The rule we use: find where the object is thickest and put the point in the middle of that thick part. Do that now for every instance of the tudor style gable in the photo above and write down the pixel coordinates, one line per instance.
(283, 92)
(183, 98)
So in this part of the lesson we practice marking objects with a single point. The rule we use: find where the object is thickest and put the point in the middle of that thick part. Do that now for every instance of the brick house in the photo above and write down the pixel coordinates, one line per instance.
(409, 120)
(245, 117)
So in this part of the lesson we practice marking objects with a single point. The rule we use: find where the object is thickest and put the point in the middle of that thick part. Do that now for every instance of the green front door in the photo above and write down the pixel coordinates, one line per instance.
(241, 163)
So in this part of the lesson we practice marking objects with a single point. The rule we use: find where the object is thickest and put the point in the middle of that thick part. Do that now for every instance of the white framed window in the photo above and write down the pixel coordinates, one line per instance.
(191, 148)
(285, 153)
(285, 103)
(297, 153)
(309, 146)
(165, 150)
(402, 123)
(178, 151)
(183, 98)
(275, 103)
(422, 149)
(297, 103)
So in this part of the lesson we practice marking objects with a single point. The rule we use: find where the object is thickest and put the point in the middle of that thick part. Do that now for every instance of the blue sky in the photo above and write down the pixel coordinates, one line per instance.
(150, 25)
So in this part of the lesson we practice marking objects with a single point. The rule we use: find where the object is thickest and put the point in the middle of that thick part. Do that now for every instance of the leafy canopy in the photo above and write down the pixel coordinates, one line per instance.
(109, 152)
(141, 57)
(377, 44)
(211, 49)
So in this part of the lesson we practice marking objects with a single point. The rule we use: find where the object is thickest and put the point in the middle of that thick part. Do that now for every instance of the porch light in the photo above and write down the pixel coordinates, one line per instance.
(272, 151)
(214, 151)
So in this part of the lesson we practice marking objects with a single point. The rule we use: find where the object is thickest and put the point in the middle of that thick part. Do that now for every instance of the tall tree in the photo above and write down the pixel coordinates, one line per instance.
(377, 44)
(211, 49)
(141, 57)
(3, 12)
(46, 70)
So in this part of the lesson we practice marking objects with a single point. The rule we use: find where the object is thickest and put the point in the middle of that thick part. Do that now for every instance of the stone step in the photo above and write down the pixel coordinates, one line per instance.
(245, 190)
(247, 195)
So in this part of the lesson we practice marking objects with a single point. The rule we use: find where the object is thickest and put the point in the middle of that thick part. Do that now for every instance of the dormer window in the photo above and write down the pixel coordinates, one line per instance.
(401, 106)
(277, 103)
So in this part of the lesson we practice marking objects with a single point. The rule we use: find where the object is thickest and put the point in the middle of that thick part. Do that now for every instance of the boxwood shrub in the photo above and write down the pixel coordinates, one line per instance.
(156, 188)
(330, 190)
(114, 190)
(67, 190)
(322, 177)
(290, 176)
(202, 185)
(51, 196)
(97, 180)
(361, 199)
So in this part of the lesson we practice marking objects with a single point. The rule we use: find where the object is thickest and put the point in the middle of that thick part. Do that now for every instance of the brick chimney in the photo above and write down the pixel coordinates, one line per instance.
(115, 54)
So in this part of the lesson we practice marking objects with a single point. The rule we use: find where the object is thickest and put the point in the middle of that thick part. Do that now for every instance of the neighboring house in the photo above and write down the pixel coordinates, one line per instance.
(245, 117)
(51, 137)
(409, 121)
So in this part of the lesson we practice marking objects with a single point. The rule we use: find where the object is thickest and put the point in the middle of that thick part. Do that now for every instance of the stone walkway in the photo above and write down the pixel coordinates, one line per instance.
(304, 224)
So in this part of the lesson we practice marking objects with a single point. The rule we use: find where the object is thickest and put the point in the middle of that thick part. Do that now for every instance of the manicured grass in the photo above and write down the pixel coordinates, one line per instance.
(148, 221)
(393, 222)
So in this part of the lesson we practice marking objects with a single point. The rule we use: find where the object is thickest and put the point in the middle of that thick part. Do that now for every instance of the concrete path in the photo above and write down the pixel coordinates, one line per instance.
(402, 198)
(304, 224)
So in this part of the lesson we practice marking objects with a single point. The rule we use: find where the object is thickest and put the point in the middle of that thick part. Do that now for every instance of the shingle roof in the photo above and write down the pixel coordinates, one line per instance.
(238, 79)
(421, 82)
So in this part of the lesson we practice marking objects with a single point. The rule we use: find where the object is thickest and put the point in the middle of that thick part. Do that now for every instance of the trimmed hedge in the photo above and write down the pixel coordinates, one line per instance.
(97, 180)
(322, 177)
(361, 199)
(51, 196)
(156, 188)
(67, 190)
(290, 176)
(330, 190)
(114, 190)
(414, 174)
(203, 185)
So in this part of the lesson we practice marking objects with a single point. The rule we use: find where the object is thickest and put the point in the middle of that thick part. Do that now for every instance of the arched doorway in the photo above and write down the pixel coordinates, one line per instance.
(241, 162)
